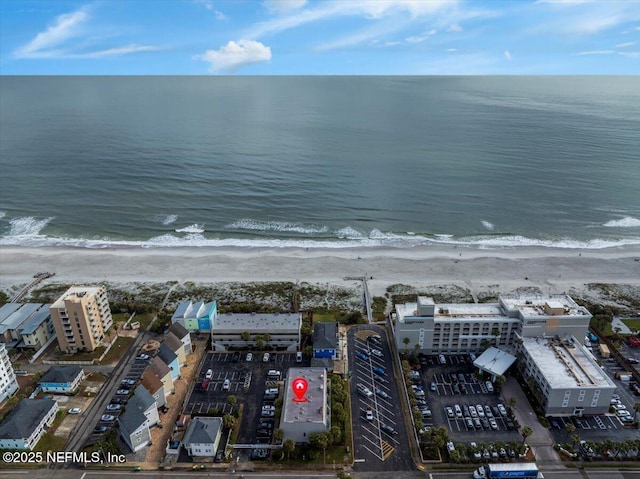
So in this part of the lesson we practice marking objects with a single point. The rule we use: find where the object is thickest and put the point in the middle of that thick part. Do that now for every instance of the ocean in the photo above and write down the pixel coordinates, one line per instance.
(491, 162)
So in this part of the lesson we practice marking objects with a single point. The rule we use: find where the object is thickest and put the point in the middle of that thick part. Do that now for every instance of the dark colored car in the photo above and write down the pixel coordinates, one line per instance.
(388, 429)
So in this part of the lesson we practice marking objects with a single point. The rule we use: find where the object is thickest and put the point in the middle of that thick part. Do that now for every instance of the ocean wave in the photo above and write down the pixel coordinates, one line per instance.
(165, 219)
(349, 233)
(376, 238)
(626, 222)
(488, 225)
(283, 226)
(27, 226)
(193, 229)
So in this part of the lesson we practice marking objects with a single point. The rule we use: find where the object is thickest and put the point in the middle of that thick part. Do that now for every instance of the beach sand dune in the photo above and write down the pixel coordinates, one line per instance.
(549, 270)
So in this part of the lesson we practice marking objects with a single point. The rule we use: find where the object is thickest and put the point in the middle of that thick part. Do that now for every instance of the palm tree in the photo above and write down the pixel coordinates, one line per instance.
(575, 439)
(526, 432)
(288, 447)
(570, 428)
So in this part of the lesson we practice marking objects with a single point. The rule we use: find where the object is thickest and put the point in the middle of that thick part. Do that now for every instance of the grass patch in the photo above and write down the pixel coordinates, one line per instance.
(84, 356)
(144, 319)
(236, 428)
(378, 307)
(121, 345)
(324, 317)
(49, 441)
(632, 324)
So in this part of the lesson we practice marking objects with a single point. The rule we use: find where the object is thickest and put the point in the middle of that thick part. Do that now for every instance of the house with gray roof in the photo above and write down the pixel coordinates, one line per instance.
(179, 331)
(26, 423)
(202, 436)
(325, 340)
(141, 414)
(170, 359)
(195, 317)
(61, 379)
(174, 343)
(26, 326)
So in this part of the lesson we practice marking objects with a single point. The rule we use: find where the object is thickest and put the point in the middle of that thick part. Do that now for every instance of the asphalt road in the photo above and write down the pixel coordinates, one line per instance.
(371, 444)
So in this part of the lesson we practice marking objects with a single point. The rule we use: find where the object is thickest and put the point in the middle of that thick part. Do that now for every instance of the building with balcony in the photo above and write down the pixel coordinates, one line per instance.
(277, 330)
(195, 317)
(470, 328)
(8, 381)
(81, 317)
(26, 325)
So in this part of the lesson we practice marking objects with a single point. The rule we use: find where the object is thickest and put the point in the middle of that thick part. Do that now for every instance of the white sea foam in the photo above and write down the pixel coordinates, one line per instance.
(626, 222)
(2, 214)
(195, 228)
(165, 219)
(27, 226)
(488, 225)
(349, 233)
(254, 225)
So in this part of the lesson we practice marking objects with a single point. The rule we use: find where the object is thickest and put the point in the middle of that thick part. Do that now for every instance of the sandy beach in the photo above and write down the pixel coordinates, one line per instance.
(550, 270)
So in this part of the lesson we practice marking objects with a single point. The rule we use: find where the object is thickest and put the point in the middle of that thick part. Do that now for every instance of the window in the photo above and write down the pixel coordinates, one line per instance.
(581, 395)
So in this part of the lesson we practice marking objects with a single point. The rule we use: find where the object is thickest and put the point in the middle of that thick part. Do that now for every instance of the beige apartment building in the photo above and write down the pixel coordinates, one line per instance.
(81, 317)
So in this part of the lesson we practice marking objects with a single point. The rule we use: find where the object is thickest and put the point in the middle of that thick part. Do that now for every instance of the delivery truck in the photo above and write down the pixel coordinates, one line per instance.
(522, 470)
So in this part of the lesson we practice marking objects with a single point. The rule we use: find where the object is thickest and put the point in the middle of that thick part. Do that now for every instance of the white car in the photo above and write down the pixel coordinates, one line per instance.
(268, 407)
(265, 358)
(209, 374)
(249, 357)
(226, 385)
(377, 352)
(114, 407)
(75, 410)
(479, 473)
(369, 414)
(450, 446)
(365, 391)
(107, 418)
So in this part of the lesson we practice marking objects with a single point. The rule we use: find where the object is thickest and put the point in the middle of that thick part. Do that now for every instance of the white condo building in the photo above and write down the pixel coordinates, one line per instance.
(469, 328)
(8, 381)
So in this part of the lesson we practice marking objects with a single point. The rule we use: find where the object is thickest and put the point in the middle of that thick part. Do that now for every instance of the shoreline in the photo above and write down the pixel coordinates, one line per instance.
(548, 269)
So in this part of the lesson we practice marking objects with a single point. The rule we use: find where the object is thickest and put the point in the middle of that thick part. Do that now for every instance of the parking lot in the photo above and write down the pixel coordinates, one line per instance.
(129, 383)
(247, 380)
(455, 383)
(375, 448)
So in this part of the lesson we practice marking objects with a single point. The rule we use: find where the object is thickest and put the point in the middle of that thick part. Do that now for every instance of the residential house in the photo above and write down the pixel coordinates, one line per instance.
(154, 386)
(325, 340)
(26, 423)
(170, 359)
(183, 335)
(203, 436)
(195, 317)
(158, 368)
(61, 379)
(174, 343)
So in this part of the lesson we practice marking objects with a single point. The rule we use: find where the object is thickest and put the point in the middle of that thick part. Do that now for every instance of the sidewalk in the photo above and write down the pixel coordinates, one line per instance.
(540, 441)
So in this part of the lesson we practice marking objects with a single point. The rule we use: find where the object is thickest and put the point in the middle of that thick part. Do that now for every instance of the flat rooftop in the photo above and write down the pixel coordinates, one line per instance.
(535, 304)
(454, 311)
(257, 321)
(75, 292)
(566, 363)
(315, 409)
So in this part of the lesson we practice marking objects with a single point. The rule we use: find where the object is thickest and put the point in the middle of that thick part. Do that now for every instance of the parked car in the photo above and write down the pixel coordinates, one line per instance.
(74, 410)
(99, 429)
(489, 386)
(209, 373)
(129, 382)
(449, 411)
(265, 413)
(249, 357)
(442, 359)
(493, 424)
(450, 447)
(361, 355)
(265, 358)
(114, 407)
(363, 390)
(226, 385)
(376, 352)
(143, 357)
(118, 400)
(375, 339)
(299, 357)
(273, 374)
(268, 407)
(382, 394)
(480, 410)
(388, 429)
(107, 418)
(369, 414)
(380, 379)
(502, 409)
(433, 386)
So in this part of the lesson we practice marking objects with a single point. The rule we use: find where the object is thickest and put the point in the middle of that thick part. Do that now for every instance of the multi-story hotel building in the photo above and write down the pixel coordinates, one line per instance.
(81, 317)
(569, 381)
(469, 328)
(283, 330)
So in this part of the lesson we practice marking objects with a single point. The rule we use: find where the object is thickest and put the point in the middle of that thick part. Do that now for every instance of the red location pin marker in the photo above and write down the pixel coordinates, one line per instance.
(299, 387)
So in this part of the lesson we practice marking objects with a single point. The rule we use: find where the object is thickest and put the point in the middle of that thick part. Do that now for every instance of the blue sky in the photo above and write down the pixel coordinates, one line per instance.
(319, 37)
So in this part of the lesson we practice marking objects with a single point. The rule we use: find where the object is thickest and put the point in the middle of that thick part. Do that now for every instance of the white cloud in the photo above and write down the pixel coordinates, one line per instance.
(452, 49)
(208, 4)
(370, 34)
(66, 26)
(633, 55)
(420, 38)
(283, 6)
(623, 45)
(597, 52)
(507, 55)
(219, 15)
(234, 55)
(114, 52)
(363, 8)
(454, 27)
(391, 44)
(564, 2)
